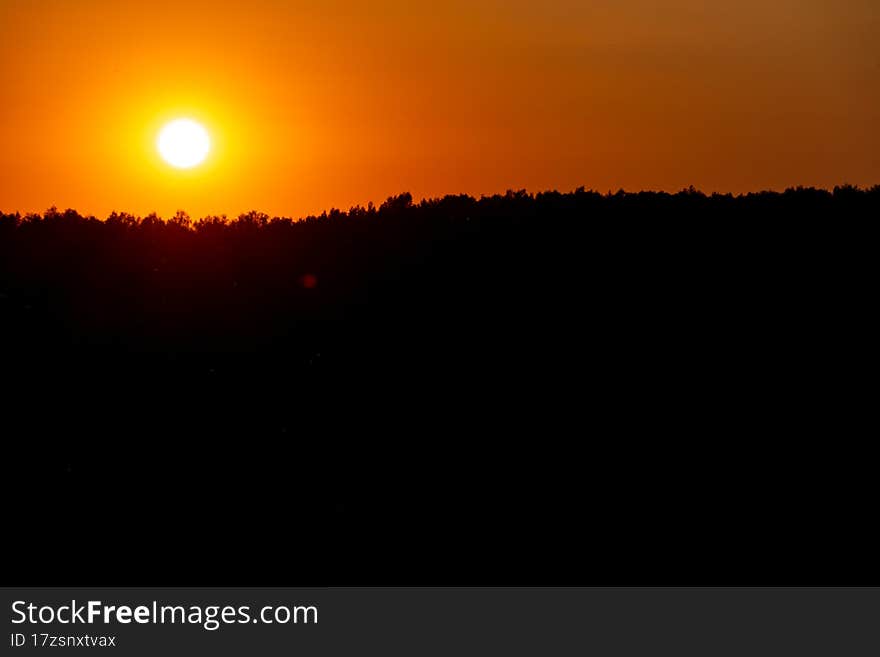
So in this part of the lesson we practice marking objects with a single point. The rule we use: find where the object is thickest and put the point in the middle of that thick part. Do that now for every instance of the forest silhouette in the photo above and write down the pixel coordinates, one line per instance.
(566, 375)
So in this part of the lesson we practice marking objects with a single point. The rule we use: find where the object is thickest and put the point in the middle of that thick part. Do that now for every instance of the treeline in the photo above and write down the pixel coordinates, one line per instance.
(512, 203)
(650, 368)
(516, 283)
(145, 283)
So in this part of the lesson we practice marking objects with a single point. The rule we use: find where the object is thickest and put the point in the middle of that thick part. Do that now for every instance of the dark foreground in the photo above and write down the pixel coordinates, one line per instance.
(568, 388)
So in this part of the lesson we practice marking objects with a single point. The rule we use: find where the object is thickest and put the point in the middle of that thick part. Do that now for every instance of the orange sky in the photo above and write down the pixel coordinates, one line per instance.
(313, 105)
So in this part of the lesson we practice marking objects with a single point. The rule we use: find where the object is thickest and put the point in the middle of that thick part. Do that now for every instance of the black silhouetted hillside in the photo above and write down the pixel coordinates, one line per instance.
(520, 388)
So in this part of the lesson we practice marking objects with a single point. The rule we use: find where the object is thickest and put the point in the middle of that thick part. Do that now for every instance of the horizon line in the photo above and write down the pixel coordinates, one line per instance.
(510, 193)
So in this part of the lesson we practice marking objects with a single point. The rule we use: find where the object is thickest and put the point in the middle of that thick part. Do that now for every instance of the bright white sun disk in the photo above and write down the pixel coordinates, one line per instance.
(183, 143)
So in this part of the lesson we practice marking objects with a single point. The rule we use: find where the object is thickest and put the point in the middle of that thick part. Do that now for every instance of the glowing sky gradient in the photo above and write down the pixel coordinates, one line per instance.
(319, 104)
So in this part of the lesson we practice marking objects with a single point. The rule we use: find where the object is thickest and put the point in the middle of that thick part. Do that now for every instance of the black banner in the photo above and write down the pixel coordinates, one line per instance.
(445, 621)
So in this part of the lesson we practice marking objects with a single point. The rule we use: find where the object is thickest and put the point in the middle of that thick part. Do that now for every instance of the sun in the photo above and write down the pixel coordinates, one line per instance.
(183, 143)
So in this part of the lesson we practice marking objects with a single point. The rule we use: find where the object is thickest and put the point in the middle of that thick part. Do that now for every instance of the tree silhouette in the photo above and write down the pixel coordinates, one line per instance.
(637, 364)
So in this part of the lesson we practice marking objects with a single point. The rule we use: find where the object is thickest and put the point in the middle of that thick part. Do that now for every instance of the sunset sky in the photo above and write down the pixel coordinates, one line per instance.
(312, 105)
